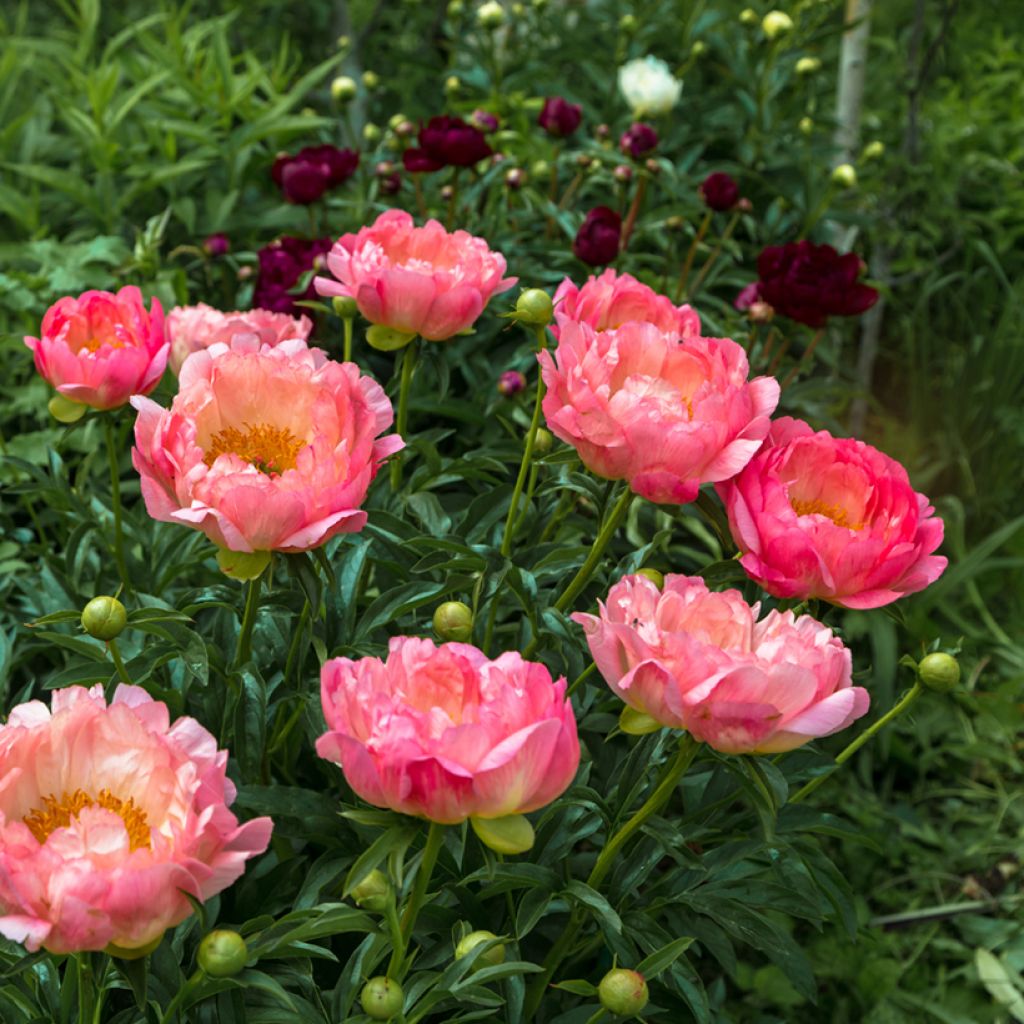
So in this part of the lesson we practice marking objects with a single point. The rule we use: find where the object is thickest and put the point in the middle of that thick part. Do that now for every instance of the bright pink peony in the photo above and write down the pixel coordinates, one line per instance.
(662, 413)
(101, 348)
(108, 814)
(421, 281)
(697, 660)
(833, 518)
(264, 449)
(611, 299)
(192, 328)
(447, 734)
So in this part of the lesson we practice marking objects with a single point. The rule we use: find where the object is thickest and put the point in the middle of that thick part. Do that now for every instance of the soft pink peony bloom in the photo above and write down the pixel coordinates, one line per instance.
(421, 281)
(264, 449)
(108, 814)
(832, 518)
(102, 348)
(662, 413)
(697, 660)
(611, 299)
(447, 734)
(192, 328)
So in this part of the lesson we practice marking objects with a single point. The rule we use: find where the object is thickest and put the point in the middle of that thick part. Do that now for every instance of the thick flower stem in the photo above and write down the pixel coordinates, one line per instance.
(527, 459)
(115, 502)
(684, 274)
(346, 351)
(180, 996)
(252, 603)
(633, 212)
(670, 777)
(894, 712)
(115, 656)
(715, 253)
(435, 839)
(86, 987)
(807, 353)
(409, 357)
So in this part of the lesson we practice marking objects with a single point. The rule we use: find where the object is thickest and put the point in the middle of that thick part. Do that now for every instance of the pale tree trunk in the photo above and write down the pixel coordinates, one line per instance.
(853, 59)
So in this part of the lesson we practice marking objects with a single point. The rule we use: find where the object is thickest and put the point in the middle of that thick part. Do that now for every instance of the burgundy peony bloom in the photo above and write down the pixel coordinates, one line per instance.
(306, 176)
(720, 192)
(446, 142)
(638, 140)
(809, 283)
(217, 245)
(597, 241)
(282, 264)
(559, 117)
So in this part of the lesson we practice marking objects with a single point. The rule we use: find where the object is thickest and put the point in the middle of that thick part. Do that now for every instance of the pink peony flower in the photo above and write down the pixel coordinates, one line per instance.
(102, 348)
(833, 518)
(422, 281)
(611, 299)
(700, 661)
(264, 449)
(192, 328)
(662, 413)
(447, 734)
(108, 815)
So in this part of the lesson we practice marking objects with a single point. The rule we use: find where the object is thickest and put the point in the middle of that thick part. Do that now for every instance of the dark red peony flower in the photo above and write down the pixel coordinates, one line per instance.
(306, 176)
(446, 142)
(597, 241)
(559, 117)
(720, 191)
(638, 140)
(809, 283)
(282, 264)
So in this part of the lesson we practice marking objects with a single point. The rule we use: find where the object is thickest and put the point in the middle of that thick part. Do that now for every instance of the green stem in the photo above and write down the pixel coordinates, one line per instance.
(397, 942)
(807, 353)
(409, 357)
(86, 988)
(531, 486)
(346, 350)
(527, 459)
(684, 274)
(580, 679)
(293, 647)
(634, 211)
(115, 655)
(115, 502)
(180, 996)
(894, 712)
(252, 603)
(453, 199)
(435, 839)
(716, 252)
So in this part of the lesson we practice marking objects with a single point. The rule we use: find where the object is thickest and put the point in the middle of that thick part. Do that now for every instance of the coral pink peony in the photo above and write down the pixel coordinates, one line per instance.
(421, 281)
(108, 816)
(700, 661)
(447, 734)
(611, 299)
(192, 328)
(833, 518)
(662, 413)
(264, 449)
(102, 348)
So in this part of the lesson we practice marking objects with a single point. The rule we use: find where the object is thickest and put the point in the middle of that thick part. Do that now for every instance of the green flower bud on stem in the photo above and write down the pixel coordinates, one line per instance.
(222, 953)
(344, 89)
(371, 79)
(345, 307)
(845, 175)
(623, 992)
(490, 14)
(534, 306)
(543, 442)
(373, 892)
(489, 958)
(939, 672)
(776, 23)
(104, 618)
(381, 998)
(64, 410)
(453, 620)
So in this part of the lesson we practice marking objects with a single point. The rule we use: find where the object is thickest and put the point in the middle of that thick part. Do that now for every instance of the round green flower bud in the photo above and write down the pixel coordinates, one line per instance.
(344, 89)
(534, 306)
(490, 958)
(222, 953)
(542, 442)
(344, 42)
(628, 24)
(623, 992)
(808, 66)
(452, 84)
(345, 307)
(776, 23)
(381, 998)
(455, 8)
(939, 672)
(104, 618)
(453, 620)
(371, 79)
(373, 892)
(845, 175)
(748, 16)
(806, 126)
(873, 150)
(698, 49)
(490, 14)
(64, 410)
(540, 169)
(653, 575)
(371, 132)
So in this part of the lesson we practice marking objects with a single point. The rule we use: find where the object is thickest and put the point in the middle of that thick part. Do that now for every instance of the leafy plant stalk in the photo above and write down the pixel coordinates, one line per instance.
(115, 503)
(409, 357)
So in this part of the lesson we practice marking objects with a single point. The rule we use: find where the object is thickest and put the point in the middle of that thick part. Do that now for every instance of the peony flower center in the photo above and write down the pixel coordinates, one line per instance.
(56, 814)
(817, 507)
(270, 449)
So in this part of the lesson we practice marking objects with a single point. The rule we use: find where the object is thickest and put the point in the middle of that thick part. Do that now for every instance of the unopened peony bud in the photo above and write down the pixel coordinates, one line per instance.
(222, 953)
(511, 382)
(455, 8)
(518, 10)
(391, 185)
(371, 132)
(344, 89)
(452, 85)
(653, 575)
(675, 222)
(345, 307)
(623, 992)
(383, 168)
(939, 672)
(873, 150)
(490, 958)
(845, 176)
(808, 66)
(395, 120)
(534, 306)
(490, 14)
(63, 410)
(623, 173)
(744, 205)
(540, 168)
(602, 132)
(652, 166)
(543, 441)
(760, 312)
(373, 892)
(371, 79)
(628, 24)
(104, 618)
(453, 620)
(698, 49)
(382, 998)
(776, 23)
(806, 126)
(748, 17)
(515, 178)
(244, 273)
(217, 245)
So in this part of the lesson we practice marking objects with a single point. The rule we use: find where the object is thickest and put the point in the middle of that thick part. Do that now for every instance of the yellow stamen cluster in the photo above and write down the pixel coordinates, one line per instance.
(836, 513)
(56, 814)
(271, 450)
